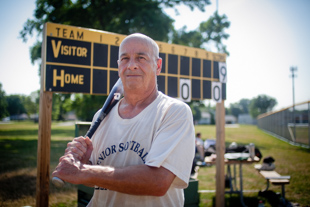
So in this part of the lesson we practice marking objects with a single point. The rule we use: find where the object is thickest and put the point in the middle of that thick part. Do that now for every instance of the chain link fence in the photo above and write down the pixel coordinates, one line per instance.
(290, 124)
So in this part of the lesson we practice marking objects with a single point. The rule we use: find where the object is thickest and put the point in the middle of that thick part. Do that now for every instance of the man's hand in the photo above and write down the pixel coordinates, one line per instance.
(81, 148)
(76, 155)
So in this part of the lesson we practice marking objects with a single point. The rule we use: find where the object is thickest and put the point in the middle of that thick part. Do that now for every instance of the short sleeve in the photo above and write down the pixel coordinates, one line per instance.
(174, 144)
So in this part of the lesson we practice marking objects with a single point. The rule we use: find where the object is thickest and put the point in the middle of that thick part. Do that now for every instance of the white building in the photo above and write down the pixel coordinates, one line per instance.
(205, 118)
(230, 119)
(246, 119)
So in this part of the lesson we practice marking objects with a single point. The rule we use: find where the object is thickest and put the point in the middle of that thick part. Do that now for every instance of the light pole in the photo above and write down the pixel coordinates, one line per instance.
(293, 69)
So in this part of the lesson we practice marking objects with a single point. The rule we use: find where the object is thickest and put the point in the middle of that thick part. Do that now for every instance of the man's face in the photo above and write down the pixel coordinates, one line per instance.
(137, 65)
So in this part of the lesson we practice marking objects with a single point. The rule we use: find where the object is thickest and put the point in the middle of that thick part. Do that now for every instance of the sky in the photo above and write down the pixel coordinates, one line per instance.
(267, 38)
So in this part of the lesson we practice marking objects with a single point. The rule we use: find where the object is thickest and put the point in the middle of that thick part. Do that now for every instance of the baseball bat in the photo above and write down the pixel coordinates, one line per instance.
(115, 95)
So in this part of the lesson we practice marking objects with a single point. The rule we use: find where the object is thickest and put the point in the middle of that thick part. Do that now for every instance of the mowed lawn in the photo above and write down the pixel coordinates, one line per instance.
(18, 157)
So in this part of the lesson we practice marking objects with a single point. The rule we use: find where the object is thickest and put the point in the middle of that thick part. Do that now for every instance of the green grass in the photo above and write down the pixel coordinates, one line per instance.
(289, 160)
(18, 157)
(18, 161)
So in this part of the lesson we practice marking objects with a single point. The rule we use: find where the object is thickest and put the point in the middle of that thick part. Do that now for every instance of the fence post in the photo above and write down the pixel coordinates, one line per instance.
(309, 122)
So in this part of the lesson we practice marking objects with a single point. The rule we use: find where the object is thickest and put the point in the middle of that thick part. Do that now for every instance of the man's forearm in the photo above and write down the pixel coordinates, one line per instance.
(135, 180)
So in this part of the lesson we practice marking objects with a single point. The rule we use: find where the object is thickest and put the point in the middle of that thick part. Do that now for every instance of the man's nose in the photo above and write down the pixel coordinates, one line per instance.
(132, 64)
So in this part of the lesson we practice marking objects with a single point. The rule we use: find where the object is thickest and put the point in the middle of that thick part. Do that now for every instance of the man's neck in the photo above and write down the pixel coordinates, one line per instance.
(133, 103)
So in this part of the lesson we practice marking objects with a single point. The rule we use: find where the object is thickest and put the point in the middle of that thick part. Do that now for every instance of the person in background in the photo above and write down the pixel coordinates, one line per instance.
(200, 147)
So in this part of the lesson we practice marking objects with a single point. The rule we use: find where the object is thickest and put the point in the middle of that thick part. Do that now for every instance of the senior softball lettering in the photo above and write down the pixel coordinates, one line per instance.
(132, 146)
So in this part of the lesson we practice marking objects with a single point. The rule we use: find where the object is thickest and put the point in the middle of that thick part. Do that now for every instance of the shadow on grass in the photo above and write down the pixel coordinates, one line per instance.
(269, 198)
(17, 186)
(234, 200)
(16, 155)
(20, 153)
(34, 132)
(19, 132)
(307, 150)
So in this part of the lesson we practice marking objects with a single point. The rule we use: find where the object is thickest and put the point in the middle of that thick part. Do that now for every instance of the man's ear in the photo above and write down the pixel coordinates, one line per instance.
(159, 66)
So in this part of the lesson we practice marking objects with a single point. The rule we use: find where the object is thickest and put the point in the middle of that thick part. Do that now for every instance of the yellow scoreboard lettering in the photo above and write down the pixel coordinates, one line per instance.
(81, 60)
(67, 78)
(68, 50)
(72, 34)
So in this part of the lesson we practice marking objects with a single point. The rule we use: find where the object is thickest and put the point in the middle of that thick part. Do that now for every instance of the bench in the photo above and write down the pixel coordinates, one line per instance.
(274, 178)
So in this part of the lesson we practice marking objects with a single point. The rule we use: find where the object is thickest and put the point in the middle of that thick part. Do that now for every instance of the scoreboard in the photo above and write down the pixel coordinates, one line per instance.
(80, 60)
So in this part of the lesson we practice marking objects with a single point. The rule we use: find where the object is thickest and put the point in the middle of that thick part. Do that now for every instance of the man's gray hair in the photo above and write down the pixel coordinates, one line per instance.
(154, 45)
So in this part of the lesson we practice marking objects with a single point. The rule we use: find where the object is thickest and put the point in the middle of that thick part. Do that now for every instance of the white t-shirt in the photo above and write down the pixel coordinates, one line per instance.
(199, 141)
(160, 135)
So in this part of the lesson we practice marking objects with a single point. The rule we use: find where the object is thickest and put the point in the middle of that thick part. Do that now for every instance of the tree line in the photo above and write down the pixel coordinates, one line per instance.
(254, 107)
(85, 108)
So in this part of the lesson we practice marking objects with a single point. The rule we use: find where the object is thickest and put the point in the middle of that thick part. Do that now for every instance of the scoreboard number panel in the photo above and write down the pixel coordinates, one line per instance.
(100, 60)
(100, 77)
(163, 57)
(161, 83)
(81, 60)
(184, 67)
(222, 72)
(185, 90)
(172, 86)
(173, 63)
(219, 88)
(114, 56)
(217, 92)
(196, 88)
(196, 67)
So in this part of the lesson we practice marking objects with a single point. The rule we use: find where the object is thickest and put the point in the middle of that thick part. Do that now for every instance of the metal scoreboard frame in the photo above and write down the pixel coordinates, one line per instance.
(81, 60)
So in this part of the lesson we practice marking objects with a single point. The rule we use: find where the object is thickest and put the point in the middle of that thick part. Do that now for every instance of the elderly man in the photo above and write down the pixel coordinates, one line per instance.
(142, 152)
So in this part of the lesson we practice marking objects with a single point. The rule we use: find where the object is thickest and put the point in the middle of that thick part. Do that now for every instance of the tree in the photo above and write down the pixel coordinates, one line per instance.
(195, 107)
(210, 31)
(192, 38)
(35, 99)
(120, 16)
(261, 104)
(31, 107)
(3, 104)
(234, 109)
(15, 104)
(213, 31)
(89, 105)
(244, 104)
(242, 107)
(60, 106)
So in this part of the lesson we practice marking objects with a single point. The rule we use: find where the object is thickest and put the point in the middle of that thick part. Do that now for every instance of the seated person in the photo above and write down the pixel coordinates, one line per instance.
(199, 147)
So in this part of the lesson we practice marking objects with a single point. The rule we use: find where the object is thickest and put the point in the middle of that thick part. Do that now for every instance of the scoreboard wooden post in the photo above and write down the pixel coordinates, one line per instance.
(44, 138)
(81, 60)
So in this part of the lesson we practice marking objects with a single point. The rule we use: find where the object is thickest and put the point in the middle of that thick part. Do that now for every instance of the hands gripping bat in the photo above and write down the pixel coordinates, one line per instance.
(115, 95)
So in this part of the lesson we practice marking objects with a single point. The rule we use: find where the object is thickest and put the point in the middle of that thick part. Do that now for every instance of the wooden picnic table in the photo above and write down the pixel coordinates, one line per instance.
(232, 175)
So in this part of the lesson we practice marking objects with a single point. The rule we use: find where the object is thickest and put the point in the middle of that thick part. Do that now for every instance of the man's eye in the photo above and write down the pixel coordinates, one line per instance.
(124, 58)
(142, 58)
